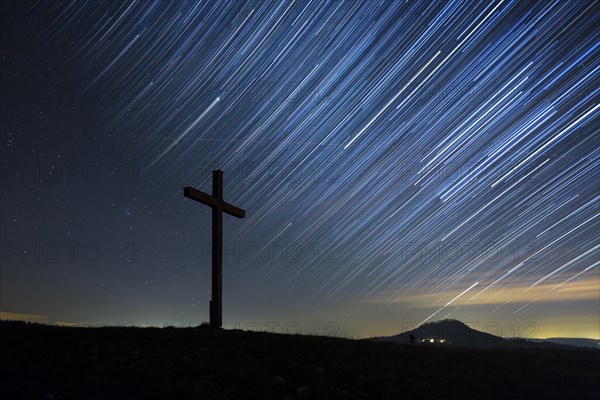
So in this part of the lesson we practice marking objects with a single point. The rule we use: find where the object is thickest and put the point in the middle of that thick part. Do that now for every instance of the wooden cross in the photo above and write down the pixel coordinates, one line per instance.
(218, 207)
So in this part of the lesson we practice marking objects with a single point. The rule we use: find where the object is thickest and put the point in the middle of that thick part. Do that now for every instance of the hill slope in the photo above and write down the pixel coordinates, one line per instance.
(150, 363)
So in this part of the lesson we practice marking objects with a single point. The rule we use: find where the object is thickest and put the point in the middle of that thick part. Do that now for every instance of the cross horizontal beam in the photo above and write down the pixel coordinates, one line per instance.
(213, 202)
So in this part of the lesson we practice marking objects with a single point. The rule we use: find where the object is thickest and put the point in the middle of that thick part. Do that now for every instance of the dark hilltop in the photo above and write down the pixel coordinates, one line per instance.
(49, 362)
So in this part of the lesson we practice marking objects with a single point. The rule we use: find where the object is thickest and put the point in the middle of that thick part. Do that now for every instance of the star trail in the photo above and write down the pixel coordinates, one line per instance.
(398, 161)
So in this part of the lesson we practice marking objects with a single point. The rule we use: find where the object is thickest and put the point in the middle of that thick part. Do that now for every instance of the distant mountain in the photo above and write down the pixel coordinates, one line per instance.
(446, 332)
(450, 332)
(579, 342)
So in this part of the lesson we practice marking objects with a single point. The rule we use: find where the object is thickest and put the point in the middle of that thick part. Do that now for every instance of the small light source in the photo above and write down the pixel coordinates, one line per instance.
(442, 340)
(432, 340)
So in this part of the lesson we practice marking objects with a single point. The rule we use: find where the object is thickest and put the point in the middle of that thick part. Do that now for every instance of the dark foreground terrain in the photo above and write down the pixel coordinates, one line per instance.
(45, 362)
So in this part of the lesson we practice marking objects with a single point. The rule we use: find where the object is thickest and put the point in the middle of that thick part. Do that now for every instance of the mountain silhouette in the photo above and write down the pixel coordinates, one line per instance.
(446, 332)
(579, 342)
(451, 332)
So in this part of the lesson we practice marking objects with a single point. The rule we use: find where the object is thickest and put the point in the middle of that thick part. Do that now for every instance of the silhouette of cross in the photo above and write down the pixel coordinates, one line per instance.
(218, 208)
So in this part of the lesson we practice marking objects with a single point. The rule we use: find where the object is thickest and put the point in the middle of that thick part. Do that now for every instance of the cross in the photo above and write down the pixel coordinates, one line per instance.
(218, 207)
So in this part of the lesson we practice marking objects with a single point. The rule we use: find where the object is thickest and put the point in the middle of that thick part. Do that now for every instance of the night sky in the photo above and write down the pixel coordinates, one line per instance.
(399, 163)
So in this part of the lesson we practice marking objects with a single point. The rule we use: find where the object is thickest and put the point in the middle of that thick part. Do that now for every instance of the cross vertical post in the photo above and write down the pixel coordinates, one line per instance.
(216, 304)
(218, 206)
